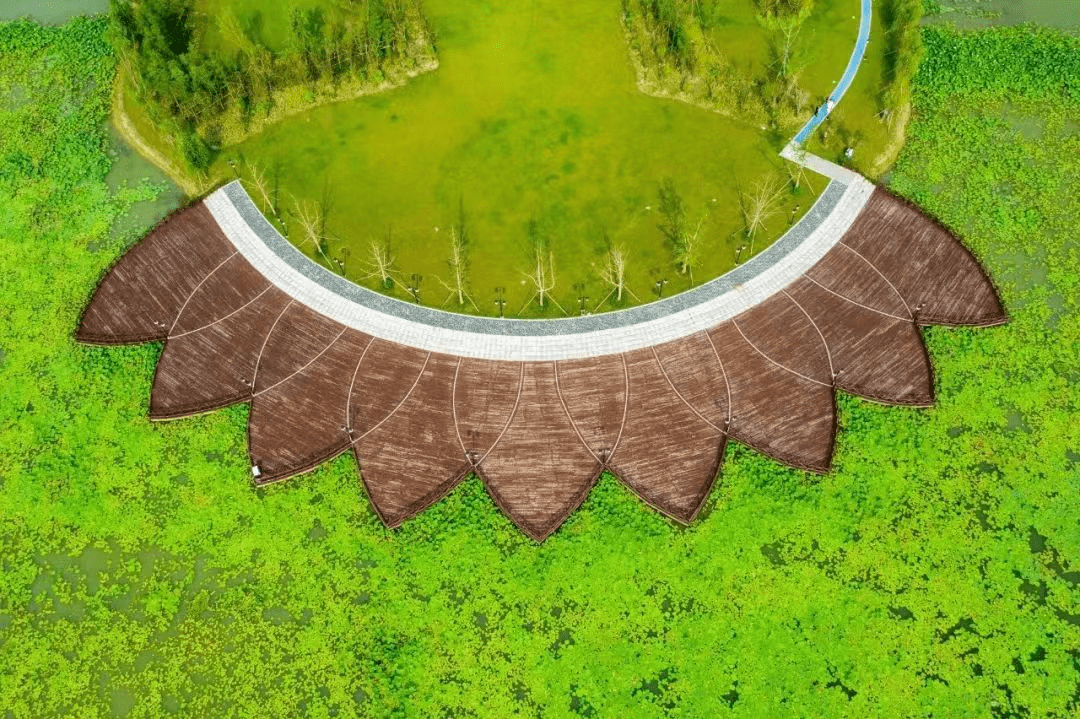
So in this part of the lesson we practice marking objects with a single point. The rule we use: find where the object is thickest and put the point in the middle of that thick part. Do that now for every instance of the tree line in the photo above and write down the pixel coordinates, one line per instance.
(674, 56)
(190, 90)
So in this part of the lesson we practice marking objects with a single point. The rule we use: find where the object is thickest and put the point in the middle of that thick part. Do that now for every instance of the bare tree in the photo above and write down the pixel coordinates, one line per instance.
(613, 273)
(542, 278)
(785, 47)
(759, 206)
(687, 249)
(259, 180)
(796, 169)
(459, 265)
(381, 264)
(311, 223)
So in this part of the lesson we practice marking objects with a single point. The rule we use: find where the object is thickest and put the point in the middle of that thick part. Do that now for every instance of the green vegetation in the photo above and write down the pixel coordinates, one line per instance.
(678, 51)
(526, 137)
(935, 571)
(208, 77)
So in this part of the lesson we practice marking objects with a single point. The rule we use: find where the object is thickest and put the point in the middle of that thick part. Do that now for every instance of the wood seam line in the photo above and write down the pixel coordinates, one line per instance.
(521, 384)
(828, 353)
(196, 289)
(771, 360)
(310, 362)
(625, 406)
(880, 274)
(453, 410)
(679, 394)
(727, 382)
(573, 425)
(352, 383)
(399, 404)
(269, 286)
(856, 303)
(258, 360)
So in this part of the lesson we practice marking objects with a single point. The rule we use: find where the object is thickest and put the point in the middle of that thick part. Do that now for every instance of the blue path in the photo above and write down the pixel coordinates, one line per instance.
(845, 81)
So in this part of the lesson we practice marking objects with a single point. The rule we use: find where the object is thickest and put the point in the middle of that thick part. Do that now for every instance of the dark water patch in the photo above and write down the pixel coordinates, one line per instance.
(658, 689)
(931, 677)
(317, 532)
(51, 12)
(771, 552)
(977, 14)
(848, 691)
(1036, 541)
(967, 624)
(579, 704)
(130, 169)
(277, 615)
(565, 639)
(1014, 422)
(901, 613)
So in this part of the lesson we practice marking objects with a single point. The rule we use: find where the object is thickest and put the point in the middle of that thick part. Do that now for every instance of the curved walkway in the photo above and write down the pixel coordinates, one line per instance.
(559, 339)
(845, 80)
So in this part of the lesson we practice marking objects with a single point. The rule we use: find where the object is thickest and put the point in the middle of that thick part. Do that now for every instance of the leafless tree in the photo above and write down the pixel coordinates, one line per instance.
(258, 179)
(381, 264)
(459, 265)
(613, 273)
(310, 218)
(796, 169)
(687, 249)
(542, 278)
(759, 206)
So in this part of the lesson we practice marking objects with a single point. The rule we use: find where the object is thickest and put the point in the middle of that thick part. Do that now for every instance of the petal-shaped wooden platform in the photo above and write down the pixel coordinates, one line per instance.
(538, 409)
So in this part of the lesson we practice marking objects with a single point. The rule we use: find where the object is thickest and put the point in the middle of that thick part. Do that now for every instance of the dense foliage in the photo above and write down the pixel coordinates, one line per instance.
(192, 89)
(676, 55)
(934, 572)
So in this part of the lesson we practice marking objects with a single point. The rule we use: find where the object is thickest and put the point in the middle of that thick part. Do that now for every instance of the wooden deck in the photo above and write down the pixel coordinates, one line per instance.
(540, 433)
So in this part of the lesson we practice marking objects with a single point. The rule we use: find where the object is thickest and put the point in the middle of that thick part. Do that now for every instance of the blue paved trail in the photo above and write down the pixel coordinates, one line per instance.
(845, 81)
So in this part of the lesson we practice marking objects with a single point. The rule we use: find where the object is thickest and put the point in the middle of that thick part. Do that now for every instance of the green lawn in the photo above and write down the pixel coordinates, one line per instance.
(533, 125)
(933, 572)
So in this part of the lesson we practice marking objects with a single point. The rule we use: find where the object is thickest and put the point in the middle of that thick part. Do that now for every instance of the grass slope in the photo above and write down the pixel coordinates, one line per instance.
(934, 572)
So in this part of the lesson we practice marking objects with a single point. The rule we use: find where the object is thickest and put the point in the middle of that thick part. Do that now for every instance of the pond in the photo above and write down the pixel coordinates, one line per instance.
(972, 14)
(50, 12)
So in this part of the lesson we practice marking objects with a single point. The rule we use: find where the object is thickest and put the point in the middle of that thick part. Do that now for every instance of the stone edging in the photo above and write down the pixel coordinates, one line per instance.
(536, 340)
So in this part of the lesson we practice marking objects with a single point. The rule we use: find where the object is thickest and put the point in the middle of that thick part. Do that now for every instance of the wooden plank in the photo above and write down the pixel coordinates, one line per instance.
(413, 457)
(539, 470)
(214, 367)
(878, 357)
(669, 454)
(774, 410)
(140, 297)
(936, 275)
(301, 422)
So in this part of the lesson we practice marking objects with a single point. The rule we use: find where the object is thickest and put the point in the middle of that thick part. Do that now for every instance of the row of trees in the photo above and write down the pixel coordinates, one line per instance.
(305, 224)
(676, 57)
(190, 89)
